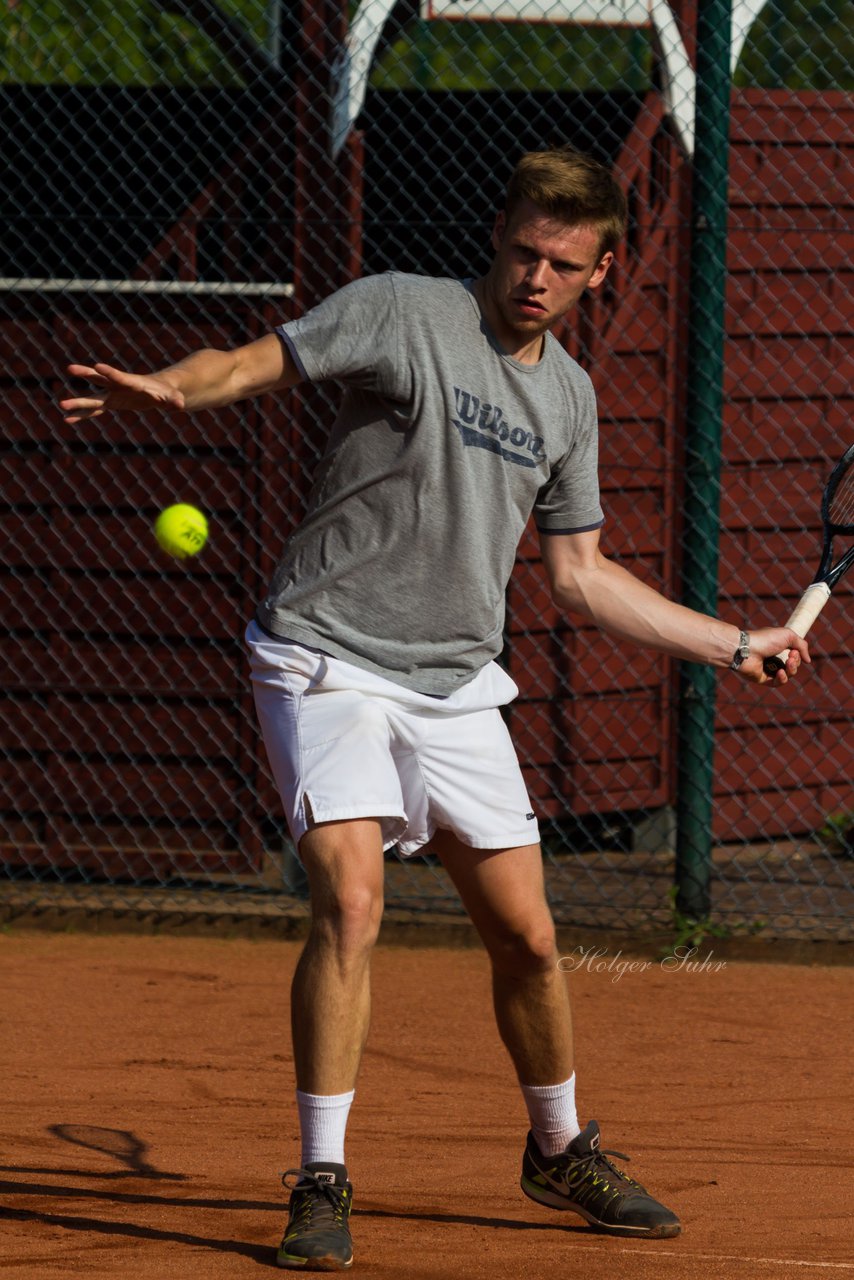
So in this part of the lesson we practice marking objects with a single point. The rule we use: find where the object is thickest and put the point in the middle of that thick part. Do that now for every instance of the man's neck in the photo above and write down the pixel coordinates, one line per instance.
(521, 347)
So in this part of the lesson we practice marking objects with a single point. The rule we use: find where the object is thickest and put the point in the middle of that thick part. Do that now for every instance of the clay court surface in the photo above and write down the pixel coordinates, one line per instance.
(147, 1113)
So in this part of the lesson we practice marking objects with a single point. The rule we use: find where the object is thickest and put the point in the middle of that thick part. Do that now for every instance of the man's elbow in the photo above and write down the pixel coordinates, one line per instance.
(567, 594)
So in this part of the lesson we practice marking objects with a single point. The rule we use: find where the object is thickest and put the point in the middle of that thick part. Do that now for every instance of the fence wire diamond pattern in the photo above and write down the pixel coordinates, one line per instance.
(189, 174)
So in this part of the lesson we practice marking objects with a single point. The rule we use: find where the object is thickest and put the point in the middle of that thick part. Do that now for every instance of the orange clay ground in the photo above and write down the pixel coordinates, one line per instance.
(147, 1114)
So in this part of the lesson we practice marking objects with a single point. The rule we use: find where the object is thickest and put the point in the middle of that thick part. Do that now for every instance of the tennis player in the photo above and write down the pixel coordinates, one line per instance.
(372, 655)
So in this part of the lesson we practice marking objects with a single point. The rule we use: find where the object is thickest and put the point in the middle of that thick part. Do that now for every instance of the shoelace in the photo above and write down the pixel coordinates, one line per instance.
(598, 1159)
(327, 1210)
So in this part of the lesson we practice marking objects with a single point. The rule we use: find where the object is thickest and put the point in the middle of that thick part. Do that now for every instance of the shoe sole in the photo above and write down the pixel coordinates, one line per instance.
(292, 1263)
(659, 1231)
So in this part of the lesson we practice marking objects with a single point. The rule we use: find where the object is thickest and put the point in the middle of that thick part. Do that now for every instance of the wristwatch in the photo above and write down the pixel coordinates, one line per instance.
(742, 652)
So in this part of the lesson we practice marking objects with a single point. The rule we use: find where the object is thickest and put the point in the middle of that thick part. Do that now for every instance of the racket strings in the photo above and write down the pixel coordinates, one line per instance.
(841, 510)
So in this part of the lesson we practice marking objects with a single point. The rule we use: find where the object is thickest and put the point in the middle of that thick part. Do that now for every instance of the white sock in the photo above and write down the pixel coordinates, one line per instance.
(323, 1123)
(552, 1110)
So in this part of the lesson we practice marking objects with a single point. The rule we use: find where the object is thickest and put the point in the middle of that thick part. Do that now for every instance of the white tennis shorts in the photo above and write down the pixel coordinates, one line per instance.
(345, 743)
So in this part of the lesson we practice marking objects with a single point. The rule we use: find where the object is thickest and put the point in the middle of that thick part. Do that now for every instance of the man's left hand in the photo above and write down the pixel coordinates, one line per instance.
(767, 642)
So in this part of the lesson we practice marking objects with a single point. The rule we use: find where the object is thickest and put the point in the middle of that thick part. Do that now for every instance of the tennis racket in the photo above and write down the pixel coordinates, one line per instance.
(837, 518)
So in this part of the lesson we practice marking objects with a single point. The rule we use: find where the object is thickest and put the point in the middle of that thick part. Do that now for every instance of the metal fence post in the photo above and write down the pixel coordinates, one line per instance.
(704, 410)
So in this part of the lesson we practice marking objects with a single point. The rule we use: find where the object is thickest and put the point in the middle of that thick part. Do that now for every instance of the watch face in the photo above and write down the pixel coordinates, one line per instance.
(742, 652)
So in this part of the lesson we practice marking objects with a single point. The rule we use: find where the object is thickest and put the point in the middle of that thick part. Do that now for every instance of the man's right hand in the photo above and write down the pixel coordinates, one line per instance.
(204, 379)
(117, 389)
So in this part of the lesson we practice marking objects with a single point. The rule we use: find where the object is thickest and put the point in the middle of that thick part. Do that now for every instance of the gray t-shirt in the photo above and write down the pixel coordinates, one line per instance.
(442, 448)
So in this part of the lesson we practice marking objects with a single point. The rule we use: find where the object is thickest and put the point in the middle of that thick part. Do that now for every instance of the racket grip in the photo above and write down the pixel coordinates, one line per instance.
(805, 613)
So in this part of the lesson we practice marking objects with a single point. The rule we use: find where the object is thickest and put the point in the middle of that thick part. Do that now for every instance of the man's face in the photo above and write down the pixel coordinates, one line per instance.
(541, 268)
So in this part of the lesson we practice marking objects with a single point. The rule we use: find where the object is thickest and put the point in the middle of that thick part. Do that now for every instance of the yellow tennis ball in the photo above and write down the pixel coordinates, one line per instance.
(181, 530)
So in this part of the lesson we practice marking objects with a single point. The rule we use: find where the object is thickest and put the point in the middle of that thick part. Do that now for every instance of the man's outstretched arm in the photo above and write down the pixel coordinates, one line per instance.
(204, 380)
(586, 582)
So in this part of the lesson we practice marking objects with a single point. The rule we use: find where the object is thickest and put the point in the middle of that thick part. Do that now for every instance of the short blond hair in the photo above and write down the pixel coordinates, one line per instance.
(573, 188)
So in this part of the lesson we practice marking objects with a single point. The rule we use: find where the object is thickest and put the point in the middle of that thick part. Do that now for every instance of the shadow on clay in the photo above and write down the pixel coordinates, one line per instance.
(262, 1254)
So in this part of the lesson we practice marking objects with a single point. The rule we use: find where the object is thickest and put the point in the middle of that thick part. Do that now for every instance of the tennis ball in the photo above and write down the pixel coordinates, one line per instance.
(181, 530)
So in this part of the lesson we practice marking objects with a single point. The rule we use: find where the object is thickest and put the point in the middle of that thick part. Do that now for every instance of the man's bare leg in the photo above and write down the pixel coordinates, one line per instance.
(503, 892)
(330, 1012)
(330, 996)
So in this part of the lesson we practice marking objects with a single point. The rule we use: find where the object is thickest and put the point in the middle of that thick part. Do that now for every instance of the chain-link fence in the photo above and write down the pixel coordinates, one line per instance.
(188, 174)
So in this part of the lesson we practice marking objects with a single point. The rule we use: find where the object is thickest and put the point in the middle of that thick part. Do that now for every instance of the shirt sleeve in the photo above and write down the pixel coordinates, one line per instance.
(351, 337)
(569, 500)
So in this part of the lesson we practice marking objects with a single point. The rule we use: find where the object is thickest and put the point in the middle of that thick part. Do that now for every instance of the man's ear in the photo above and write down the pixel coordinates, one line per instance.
(499, 226)
(601, 270)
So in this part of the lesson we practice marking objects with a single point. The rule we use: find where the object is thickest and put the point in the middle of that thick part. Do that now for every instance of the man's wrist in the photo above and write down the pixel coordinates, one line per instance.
(742, 651)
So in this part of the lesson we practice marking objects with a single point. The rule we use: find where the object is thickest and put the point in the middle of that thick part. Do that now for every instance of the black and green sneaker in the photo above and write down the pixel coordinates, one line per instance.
(583, 1179)
(317, 1237)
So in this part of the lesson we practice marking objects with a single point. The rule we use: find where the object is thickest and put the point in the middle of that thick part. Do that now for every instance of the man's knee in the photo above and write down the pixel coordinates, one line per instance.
(349, 918)
(530, 949)
(344, 864)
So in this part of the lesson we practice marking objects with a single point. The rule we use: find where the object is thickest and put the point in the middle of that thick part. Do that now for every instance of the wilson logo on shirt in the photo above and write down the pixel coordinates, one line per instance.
(483, 426)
